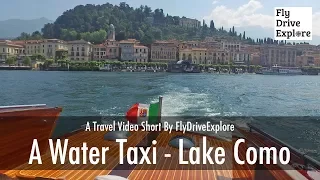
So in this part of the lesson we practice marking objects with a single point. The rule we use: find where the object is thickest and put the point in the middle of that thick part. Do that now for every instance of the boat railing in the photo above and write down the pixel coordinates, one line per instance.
(23, 106)
(306, 159)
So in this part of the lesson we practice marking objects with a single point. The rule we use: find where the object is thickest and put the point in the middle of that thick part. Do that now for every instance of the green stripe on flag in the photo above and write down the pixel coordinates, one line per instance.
(153, 113)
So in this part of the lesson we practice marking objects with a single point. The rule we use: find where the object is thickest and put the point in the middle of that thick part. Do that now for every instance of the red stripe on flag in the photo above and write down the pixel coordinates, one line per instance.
(132, 114)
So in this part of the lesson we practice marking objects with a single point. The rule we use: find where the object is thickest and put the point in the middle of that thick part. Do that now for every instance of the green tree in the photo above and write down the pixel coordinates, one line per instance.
(38, 57)
(204, 24)
(148, 38)
(11, 60)
(157, 33)
(27, 61)
(23, 36)
(61, 55)
(212, 25)
(48, 31)
(147, 11)
(36, 35)
(98, 36)
(95, 37)
(48, 62)
(91, 23)
(69, 35)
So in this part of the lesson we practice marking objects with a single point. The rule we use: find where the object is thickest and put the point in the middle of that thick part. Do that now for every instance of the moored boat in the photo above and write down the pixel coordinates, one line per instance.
(183, 66)
(105, 68)
(279, 70)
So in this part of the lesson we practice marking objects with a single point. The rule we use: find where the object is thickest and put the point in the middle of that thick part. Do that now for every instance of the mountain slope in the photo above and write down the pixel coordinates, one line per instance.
(14, 27)
(92, 23)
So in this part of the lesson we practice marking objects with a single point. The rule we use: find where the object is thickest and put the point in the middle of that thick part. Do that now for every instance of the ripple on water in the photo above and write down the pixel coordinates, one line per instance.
(112, 94)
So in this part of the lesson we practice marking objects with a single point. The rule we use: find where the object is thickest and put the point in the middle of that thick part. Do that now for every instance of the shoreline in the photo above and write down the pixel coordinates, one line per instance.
(215, 73)
(310, 71)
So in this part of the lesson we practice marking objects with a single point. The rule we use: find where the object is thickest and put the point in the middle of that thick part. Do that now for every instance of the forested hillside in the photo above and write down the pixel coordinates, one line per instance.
(91, 23)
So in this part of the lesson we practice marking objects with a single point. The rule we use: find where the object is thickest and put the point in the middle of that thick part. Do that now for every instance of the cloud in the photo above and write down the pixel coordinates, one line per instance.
(247, 15)
(316, 23)
(215, 2)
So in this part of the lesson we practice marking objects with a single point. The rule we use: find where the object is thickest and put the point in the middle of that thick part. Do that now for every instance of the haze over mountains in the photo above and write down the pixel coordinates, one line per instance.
(12, 28)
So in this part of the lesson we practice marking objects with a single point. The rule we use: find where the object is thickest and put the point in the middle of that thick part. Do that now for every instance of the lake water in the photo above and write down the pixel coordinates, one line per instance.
(203, 95)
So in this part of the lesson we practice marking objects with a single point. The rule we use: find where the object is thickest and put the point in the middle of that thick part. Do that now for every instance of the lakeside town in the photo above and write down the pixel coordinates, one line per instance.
(214, 53)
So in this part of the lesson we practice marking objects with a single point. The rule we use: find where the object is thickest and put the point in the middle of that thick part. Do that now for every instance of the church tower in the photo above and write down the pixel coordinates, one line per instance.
(112, 33)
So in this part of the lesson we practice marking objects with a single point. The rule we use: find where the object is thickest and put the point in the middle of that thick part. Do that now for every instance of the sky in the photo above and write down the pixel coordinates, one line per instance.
(240, 13)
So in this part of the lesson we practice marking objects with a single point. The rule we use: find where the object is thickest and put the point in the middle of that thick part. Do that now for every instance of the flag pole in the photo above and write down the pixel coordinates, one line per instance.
(160, 108)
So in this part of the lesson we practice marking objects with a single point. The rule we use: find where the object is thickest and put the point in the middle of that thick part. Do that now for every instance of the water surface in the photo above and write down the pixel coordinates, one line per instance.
(112, 93)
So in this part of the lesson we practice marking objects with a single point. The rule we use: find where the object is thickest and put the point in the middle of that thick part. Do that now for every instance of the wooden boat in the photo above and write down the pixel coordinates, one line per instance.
(19, 125)
(300, 166)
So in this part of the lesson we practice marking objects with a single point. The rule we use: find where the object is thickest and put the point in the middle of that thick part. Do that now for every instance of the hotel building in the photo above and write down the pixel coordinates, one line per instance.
(99, 52)
(80, 50)
(306, 47)
(127, 49)
(199, 55)
(141, 53)
(240, 57)
(205, 56)
(112, 49)
(185, 54)
(281, 55)
(255, 59)
(218, 56)
(8, 48)
(305, 60)
(231, 45)
(189, 23)
(308, 58)
(47, 47)
(211, 45)
(188, 45)
(163, 51)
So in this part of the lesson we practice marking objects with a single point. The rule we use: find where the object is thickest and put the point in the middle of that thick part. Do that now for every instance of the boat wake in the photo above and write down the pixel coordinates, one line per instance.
(182, 104)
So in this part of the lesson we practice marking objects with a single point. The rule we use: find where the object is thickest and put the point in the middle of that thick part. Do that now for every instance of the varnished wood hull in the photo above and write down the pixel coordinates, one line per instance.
(165, 168)
(18, 128)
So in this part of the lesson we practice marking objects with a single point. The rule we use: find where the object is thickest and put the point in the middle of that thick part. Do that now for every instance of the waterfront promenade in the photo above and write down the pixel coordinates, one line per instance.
(123, 66)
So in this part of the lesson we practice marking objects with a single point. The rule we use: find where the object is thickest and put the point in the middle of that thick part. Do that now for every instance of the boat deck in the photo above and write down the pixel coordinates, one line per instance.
(166, 168)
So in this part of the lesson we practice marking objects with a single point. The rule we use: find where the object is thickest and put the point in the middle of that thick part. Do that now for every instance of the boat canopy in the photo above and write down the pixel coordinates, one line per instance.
(180, 62)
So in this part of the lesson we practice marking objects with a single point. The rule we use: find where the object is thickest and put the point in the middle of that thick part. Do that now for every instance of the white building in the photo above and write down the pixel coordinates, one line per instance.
(8, 48)
(231, 45)
(79, 50)
(240, 57)
(141, 53)
(46, 47)
(127, 49)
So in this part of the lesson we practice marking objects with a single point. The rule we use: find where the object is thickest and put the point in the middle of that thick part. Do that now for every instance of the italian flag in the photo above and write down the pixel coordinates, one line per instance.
(144, 112)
